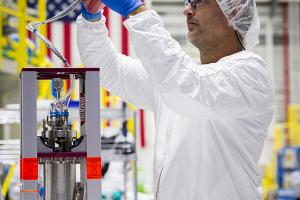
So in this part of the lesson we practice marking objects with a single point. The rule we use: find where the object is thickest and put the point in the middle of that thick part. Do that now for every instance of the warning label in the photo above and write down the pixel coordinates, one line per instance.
(29, 169)
(94, 168)
(82, 108)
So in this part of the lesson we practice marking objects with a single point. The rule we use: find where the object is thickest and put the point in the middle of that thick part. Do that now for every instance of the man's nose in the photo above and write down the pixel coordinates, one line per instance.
(188, 10)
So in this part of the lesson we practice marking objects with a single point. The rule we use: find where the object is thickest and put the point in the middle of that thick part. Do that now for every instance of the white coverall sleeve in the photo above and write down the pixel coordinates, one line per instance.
(121, 75)
(229, 89)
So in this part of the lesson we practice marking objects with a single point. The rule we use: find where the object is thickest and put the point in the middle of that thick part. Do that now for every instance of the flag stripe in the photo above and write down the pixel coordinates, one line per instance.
(67, 41)
(106, 14)
(75, 56)
(115, 29)
(49, 36)
(57, 40)
(124, 39)
(67, 46)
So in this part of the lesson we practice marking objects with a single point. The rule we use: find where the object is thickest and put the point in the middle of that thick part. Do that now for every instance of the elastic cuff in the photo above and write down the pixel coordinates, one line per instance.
(90, 16)
(125, 13)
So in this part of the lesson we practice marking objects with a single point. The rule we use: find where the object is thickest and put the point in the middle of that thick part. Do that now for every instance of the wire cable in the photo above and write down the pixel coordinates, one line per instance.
(33, 27)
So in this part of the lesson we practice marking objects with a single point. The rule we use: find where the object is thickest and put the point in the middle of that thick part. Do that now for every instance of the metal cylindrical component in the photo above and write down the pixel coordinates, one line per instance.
(60, 180)
(58, 84)
(48, 180)
(71, 179)
(50, 136)
(60, 133)
(69, 138)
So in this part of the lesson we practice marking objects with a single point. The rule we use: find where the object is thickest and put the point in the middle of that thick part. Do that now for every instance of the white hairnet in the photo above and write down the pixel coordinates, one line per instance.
(243, 17)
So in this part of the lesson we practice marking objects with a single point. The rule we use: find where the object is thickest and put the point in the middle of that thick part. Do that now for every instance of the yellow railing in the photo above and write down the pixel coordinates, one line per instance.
(20, 55)
(1, 36)
(8, 180)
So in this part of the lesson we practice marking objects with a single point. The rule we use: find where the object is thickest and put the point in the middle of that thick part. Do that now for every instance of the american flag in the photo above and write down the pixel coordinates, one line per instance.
(63, 35)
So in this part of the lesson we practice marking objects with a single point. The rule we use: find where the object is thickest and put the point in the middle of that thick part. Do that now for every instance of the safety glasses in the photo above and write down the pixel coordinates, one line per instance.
(195, 3)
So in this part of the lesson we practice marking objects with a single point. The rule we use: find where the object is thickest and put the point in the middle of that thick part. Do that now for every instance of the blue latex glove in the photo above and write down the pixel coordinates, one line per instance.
(123, 7)
(90, 16)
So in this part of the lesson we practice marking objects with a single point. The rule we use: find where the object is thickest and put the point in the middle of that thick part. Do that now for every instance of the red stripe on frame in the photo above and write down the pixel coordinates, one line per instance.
(67, 45)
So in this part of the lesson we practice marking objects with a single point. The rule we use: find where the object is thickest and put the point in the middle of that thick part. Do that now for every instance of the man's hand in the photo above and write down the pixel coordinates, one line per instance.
(123, 7)
(93, 6)
(91, 9)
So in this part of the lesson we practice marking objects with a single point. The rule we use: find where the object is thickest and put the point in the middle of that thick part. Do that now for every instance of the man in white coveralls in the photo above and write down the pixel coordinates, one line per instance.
(211, 117)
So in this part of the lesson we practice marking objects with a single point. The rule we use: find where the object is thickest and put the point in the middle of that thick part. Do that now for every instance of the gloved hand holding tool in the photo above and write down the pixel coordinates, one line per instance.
(90, 8)
(123, 7)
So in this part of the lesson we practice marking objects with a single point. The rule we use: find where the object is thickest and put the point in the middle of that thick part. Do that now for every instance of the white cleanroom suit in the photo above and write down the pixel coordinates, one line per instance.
(211, 120)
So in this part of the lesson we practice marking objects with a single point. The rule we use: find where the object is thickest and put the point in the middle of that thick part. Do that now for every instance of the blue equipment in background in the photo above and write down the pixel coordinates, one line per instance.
(288, 173)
